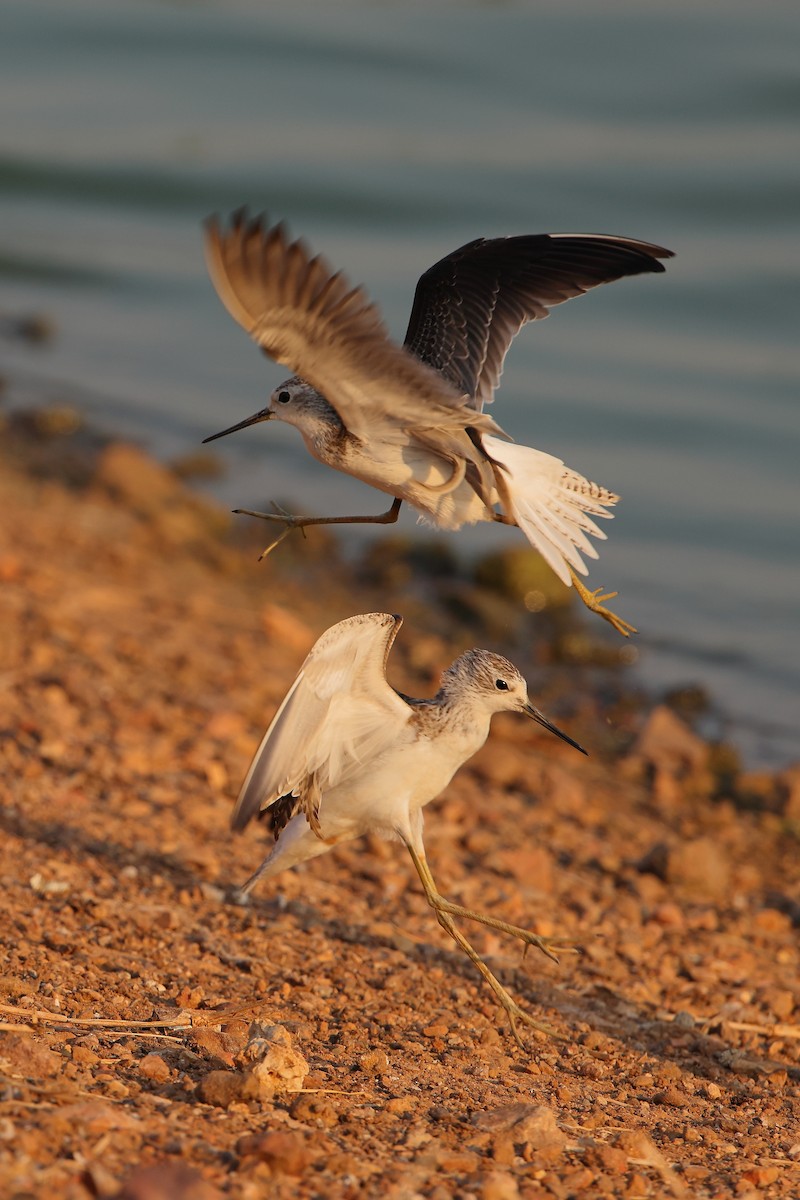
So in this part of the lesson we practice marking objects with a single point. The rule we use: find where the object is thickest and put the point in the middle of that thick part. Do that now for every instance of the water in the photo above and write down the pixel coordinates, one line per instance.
(387, 134)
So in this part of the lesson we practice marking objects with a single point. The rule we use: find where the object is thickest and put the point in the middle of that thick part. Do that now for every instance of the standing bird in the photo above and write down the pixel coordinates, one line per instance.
(410, 420)
(346, 755)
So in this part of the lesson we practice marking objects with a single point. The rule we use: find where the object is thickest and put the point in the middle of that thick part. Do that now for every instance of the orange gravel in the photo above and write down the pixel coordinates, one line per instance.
(142, 652)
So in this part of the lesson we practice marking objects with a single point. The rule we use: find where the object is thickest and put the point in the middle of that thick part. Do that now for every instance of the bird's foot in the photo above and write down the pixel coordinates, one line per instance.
(445, 911)
(287, 519)
(550, 946)
(517, 1014)
(595, 602)
(280, 514)
(292, 522)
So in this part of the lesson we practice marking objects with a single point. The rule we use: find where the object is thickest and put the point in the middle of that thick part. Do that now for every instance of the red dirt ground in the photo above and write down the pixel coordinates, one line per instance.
(141, 655)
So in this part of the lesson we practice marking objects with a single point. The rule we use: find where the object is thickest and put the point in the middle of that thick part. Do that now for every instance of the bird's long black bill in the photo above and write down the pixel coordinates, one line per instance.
(541, 719)
(259, 416)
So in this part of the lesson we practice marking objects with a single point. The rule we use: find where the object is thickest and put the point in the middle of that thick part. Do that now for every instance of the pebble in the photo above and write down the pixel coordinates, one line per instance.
(220, 1088)
(167, 1181)
(29, 1056)
(286, 1152)
(270, 1063)
(672, 1097)
(498, 1185)
(701, 868)
(611, 1159)
(665, 740)
(154, 1067)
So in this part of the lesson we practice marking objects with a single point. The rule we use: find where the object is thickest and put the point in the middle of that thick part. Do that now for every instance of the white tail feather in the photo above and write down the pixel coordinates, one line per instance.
(550, 502)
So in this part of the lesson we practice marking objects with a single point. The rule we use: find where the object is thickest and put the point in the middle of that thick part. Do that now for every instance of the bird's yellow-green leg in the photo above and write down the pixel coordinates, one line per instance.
(292, 522)
(594, 602)
(443, 909)
(548, 946)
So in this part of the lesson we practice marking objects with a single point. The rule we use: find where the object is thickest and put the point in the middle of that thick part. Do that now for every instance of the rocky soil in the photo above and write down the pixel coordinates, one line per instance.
(160, 1042)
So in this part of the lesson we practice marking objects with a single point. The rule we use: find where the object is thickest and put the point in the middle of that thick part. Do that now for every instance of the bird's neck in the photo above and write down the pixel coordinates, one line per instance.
(465, 719)
(323, 431)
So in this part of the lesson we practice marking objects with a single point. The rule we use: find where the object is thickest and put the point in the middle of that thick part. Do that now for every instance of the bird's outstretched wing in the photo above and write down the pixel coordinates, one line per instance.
(338, 715)
(470, 305)
(310, 319)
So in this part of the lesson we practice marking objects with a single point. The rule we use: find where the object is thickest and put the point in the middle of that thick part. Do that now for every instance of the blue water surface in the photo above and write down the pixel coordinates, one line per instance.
(387, 134)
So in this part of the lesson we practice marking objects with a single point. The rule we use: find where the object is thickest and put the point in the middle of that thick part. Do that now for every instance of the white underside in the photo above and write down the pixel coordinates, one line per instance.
(385, 796)
(552, 505)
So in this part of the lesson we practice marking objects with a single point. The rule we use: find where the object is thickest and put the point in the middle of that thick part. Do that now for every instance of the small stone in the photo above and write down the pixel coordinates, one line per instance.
(29, 1056)
(637, 1188)
(214, 1044)
(225, 726)
(668, 915)
(668, 742)
(531, 865)
(153, 1066)
(84, 1056)
(270, 1063)
(314, 1110)
(761, 1177)
(499, 1185)
(286, 1152)
(531, 1126)
(94, 1117)
(780, 1002)
(190, 997)
(672, 1097)
(503, 1149)
(374, 1062)
(436, 1031)
(221, 1088)
(167, 1181)
(537, 1126)
(458, 1162)
(771, 920)
(606, 1158)
(638, 1144)
(701, 868)
(401, 1105)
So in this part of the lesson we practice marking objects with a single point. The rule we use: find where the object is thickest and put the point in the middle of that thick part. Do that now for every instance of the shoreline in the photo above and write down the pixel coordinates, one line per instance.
(143, 653)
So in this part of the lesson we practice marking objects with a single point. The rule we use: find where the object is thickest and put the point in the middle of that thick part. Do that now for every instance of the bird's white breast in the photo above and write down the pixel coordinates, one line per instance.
(407, 776)
(409, 471)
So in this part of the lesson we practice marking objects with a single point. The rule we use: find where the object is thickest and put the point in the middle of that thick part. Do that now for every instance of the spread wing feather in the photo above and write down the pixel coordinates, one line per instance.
(311, 320)
(470, 305)
(338, 715)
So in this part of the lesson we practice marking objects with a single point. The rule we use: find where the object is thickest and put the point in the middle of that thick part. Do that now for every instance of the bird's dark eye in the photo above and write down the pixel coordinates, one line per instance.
(501, 685)
(283, 397)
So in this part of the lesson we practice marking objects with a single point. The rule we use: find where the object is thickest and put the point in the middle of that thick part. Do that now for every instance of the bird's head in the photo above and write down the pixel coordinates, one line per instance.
(293, 401)
(496, 685)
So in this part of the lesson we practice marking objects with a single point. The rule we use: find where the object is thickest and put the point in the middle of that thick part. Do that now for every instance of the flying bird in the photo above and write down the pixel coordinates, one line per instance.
(411, 420)
(346, 754)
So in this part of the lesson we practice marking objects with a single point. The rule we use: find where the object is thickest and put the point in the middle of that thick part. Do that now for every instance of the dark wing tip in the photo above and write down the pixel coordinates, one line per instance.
(243, 814)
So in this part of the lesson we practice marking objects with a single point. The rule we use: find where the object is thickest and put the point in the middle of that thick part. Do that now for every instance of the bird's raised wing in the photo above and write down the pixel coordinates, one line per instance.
(469, 306)
(338, 715)
(311, 320)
